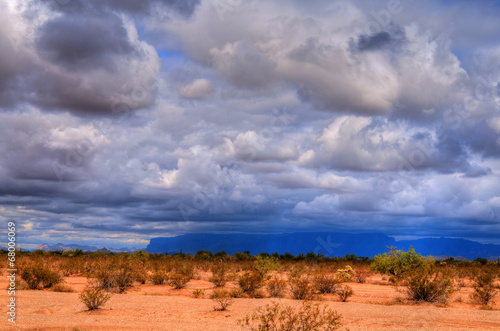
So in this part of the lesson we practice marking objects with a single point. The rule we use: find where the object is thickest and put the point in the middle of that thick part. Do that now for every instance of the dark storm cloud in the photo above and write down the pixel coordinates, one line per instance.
(376, 41)
(83, 44)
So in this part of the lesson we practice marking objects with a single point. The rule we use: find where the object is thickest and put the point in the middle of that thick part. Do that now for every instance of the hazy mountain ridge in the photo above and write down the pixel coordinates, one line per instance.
(85, 248)
(328, 244)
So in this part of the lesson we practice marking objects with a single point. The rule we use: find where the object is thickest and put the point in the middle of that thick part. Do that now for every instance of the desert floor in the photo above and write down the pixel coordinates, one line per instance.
(154, 307)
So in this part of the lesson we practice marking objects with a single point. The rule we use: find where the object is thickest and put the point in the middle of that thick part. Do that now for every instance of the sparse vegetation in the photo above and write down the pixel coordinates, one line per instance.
(428, 284)
(325, 282)
(302, 277)
(276, 317)
(178, 280)
(301, 288)
(38, 274)
(93, 297)
(222, 299)
(219, 274)
(484, 288)
(62, 288)
(250, 282)
(276, 286)
(199, 293)
(344, 292)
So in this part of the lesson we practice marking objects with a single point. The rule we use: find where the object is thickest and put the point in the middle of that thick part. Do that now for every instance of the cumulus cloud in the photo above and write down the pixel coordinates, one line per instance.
(198, 89)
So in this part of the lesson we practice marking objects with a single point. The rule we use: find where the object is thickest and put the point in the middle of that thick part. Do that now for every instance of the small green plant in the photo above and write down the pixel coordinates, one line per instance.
(263, 265)
(276, 317)
(484, 289)
(199, 293)
(93, 297)
(344, 292)
(222, 299)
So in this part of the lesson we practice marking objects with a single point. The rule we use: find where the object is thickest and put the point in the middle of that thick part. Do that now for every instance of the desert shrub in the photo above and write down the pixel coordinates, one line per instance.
(70, 266)
(484, 289)
(427, 284)
(219, 274)
(104, 276)
(361, 275)
(276, 286)
(140, 270)
(113, 275)
(186, 268)
(93, 297)
(346, 274)
(300, 287)
(124, 278)
(397, 262)
(158, 276)
(199, 293)
(275, 317)
(222, 299)
(177, 280)
(344, 292)
(250, 281)
(62, 288)
(38, 274)
(263, 265)
(236, 293)
(325, 282)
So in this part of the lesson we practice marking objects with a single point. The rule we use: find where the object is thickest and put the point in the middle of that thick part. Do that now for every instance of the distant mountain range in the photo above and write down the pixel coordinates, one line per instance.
(326, 243)
(85, 248)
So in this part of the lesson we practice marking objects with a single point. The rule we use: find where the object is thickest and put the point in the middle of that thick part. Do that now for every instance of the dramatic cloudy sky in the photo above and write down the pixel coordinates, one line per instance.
(126, 120)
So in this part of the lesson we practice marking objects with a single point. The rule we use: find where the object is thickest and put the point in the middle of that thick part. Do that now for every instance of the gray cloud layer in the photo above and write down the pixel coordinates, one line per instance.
(122, 120)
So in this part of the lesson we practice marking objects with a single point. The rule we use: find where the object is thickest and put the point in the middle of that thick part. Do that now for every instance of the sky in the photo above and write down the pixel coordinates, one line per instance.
(126, 120)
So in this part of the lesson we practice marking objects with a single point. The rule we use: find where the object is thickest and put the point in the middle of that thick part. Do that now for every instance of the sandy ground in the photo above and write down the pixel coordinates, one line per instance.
(153, 307)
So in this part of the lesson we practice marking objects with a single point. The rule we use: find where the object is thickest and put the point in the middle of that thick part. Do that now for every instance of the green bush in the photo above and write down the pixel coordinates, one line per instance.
(275, 317)
(397, 262)
(263, 265)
